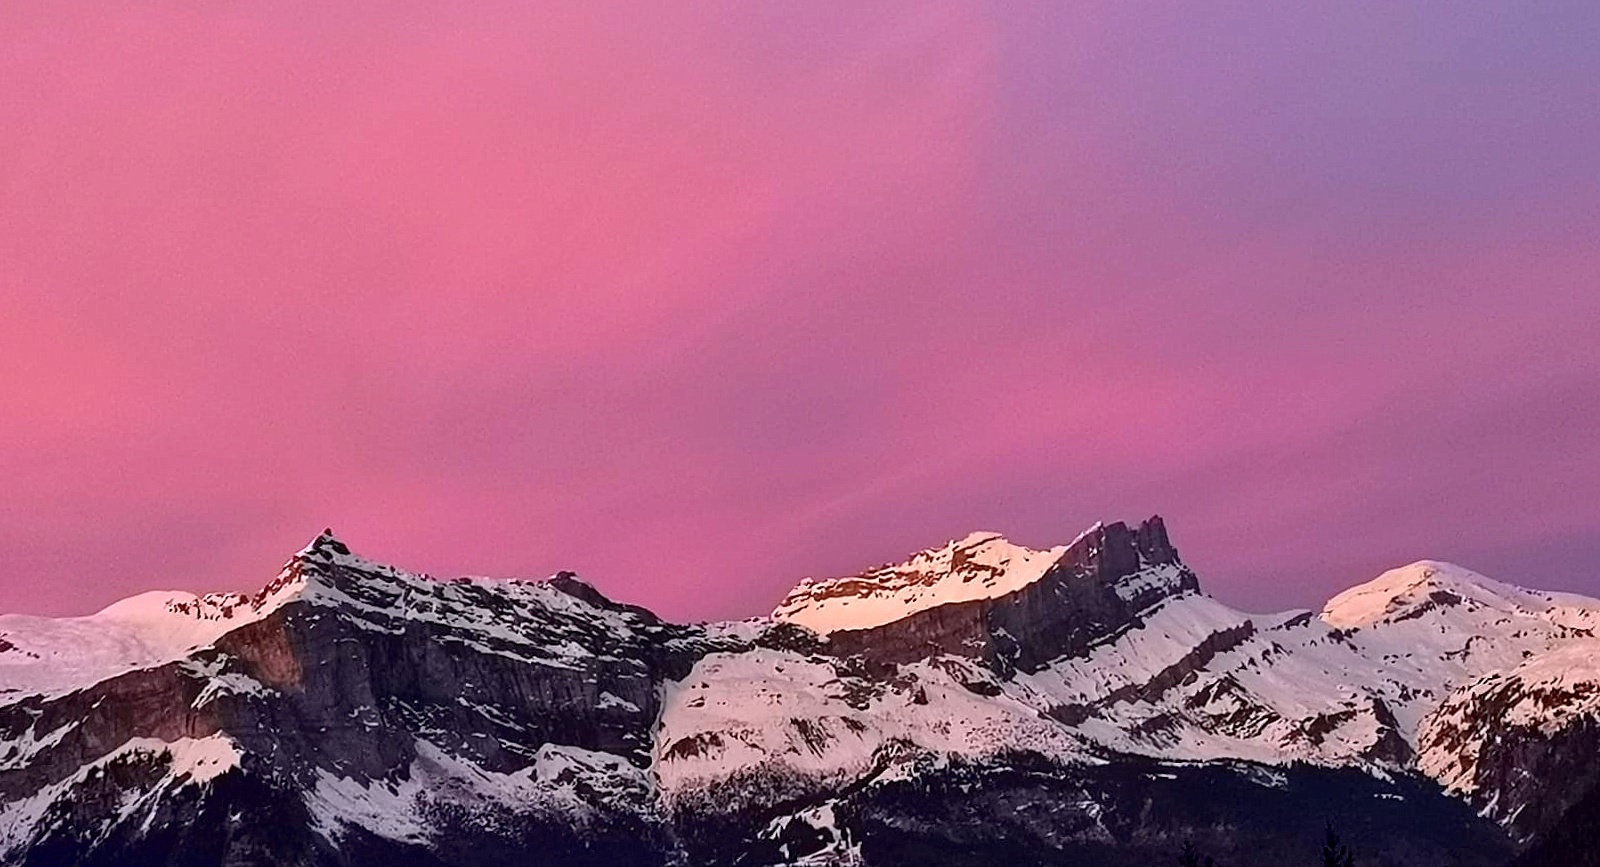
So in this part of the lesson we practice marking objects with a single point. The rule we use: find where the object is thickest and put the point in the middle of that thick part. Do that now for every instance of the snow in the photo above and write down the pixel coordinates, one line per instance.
(1308, 689)
(177, 618)
(1436, 626)
(187, 761)
(19, 752)
(981, 565)
(392, 811)
(1170, 632)
(784, 713)
(201, 760)
(230, 683)
(572, 782)
(530, 620)
(1547, 693)
(837, 848)
(1573, 670)
(57, 655)
(1195, 681)
(610, 702)
(1398, 592)
(1429, 644)
(1158, 579)
(1244, 700)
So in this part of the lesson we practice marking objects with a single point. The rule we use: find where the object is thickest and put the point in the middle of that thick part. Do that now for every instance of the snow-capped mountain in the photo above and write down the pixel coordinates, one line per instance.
(1086, 703)
(48, 655)
(981, 566)
(362, 709)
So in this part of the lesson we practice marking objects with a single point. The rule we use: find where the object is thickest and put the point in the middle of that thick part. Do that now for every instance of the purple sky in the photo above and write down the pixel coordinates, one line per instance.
(700, 302)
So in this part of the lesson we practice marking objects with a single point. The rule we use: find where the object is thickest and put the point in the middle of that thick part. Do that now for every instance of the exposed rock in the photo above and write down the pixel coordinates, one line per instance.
(1096, 587)
(1520, 744)
(979, 703)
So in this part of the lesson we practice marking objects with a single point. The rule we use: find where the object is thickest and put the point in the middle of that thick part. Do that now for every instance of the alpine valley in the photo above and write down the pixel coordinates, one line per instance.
(981, 703)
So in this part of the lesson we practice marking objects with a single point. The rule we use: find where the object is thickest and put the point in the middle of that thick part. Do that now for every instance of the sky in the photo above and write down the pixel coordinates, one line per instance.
(700, 298)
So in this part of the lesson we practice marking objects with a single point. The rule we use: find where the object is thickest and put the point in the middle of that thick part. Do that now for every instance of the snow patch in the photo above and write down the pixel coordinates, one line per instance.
(568, 782)
(979, 566)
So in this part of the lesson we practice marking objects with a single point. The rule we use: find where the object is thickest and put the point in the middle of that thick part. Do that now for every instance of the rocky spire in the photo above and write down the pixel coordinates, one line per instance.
(325, 546)
(1116, 550)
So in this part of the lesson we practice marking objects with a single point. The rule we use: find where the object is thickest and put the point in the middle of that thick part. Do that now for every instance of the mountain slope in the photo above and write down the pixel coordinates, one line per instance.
(44, 655)
(377, 709)
(1503, 739)
(1080, 704)
(980, 566)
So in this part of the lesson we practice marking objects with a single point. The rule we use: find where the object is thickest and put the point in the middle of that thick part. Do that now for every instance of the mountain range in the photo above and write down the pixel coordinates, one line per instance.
(980, 703)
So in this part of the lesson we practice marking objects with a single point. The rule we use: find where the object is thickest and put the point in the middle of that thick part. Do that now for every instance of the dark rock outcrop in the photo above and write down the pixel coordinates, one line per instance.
(1089, 594)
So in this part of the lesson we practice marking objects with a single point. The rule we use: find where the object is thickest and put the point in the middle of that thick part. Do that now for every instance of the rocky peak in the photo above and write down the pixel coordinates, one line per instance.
(1030, 606)
(314, 559)
(980, 565)
(327, 572)
(570, 584)
(561, 620)
(1139, 563)
(1117, 550)
(325, 546)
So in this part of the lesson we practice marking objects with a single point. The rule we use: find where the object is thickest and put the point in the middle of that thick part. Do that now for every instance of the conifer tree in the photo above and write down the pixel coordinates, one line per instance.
(1334, 852)
(1190, 858)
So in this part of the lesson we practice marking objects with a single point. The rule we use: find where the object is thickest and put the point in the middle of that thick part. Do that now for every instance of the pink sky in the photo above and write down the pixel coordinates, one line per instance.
(700, 301)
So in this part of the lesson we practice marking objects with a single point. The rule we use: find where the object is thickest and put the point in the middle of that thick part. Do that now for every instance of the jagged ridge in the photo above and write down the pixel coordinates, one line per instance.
(376, 715)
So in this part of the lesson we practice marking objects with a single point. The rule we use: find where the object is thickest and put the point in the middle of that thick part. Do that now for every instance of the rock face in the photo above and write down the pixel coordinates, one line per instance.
(1084, 704)
(1094, 588)
(1521, 743)
(372, 708)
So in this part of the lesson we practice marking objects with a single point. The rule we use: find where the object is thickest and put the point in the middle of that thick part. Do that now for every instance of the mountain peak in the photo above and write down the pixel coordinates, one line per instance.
(325, 545)
(976, 566)
(1123, 549)
(314, 561)
(985, 565)
(375, 701)
(1411, 590)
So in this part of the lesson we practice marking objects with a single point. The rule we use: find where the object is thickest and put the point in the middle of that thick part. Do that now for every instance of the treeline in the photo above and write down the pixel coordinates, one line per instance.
(1334, 854)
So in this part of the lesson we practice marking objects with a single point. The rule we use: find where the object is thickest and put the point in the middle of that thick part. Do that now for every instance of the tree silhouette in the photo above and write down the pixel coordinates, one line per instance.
(1190, 858)
(1334, 852)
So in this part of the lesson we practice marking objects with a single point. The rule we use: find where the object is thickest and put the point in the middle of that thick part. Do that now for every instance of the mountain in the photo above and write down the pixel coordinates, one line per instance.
(1083, 704)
